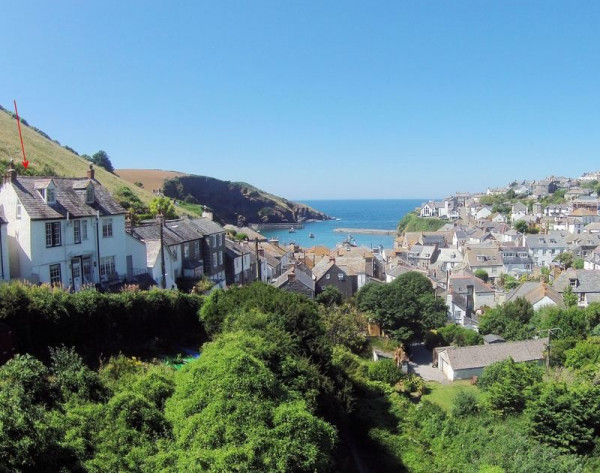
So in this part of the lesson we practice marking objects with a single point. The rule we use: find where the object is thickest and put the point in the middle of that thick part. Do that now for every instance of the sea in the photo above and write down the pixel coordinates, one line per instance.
(381, 214)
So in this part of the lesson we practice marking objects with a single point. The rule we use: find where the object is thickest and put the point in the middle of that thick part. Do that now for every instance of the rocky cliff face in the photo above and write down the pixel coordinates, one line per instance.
(233, 202)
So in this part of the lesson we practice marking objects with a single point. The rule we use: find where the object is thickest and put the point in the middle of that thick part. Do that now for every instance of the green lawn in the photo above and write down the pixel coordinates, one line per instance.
(443, 394)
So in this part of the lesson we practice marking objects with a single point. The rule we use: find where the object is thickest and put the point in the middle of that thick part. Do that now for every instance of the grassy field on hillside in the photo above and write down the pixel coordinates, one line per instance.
(41, 151)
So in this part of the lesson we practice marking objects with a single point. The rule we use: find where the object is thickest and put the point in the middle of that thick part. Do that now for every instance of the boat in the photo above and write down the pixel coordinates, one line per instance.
(311, 235)
(274, 240)
(350, 241)
(292, 230)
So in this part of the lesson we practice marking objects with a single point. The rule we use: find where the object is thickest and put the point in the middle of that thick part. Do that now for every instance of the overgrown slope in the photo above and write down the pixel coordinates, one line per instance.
(45, 154)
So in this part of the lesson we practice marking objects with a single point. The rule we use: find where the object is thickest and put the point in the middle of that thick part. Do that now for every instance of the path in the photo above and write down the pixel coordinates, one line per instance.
(421, 364)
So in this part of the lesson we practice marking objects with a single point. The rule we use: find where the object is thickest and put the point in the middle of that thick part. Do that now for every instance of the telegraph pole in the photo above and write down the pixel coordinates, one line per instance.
(549, 330)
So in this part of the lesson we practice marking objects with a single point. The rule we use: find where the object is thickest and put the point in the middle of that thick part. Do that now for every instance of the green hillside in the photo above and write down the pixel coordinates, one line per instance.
(44, 155)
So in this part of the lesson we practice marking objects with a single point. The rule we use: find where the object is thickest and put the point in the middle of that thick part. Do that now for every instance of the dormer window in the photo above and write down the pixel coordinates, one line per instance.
(89, 194)
(573, 282)
(47, 190)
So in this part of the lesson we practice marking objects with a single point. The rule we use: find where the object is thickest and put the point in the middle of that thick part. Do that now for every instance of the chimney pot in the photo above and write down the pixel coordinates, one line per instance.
(91, 173)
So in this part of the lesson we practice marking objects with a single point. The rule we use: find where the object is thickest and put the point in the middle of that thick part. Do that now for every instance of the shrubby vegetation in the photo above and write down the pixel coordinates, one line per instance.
(285, 384)
(413, 223)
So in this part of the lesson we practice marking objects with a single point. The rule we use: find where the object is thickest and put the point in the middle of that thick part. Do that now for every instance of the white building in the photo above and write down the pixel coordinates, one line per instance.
(466, 362)
(4, 258)
(67, 231)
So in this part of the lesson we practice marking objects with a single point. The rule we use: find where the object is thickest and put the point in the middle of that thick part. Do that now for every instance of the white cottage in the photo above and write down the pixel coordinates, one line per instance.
(67, 231)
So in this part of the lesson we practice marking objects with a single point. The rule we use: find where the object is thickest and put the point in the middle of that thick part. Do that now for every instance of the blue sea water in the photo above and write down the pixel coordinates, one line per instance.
(381, 214)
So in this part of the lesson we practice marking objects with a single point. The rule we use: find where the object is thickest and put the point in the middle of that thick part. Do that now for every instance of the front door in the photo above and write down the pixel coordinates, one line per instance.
(76, 273)
(87, 270)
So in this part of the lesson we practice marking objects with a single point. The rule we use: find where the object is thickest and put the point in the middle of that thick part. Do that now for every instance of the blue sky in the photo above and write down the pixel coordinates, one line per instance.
(315, 99)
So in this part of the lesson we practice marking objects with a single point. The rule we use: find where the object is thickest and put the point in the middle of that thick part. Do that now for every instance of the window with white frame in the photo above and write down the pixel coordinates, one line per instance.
(19, 210)
(84, 230)
(197, 248)
(53, 234)
(214, 259)
(55, 275)
(107, 266)
(76, 231)
(220, 257)
(107, 228)
(186, 250)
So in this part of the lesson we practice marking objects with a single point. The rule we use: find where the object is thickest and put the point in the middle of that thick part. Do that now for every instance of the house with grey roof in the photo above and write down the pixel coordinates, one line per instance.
(545, 248)
(297, 278)
(516, 260)
(466, 362)
(486, 258)
(67, 231)
(327, 273)
(421, 256)
(238, 263)
(538, 294)
(466, 295)
(182, 248)
(584, 283)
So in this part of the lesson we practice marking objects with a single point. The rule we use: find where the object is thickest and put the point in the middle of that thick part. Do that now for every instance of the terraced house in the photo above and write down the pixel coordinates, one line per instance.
(67, 231)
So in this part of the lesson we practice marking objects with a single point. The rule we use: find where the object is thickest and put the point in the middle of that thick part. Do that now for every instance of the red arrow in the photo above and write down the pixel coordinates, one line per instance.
(25, 162)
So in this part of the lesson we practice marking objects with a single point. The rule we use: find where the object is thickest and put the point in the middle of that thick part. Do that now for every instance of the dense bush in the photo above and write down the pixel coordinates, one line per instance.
(385, 371)
(98, 323)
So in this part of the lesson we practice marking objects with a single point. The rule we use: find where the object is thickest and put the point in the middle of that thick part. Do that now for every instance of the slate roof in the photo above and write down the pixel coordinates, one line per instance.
(207, 226)
(321, 268)
(553, 240)
(588, 280)
(490, 255)
(534, 292)
(175, 231)
(459, 284)
(480, 356)
(515, 251)
(397, 270)
(70, 198)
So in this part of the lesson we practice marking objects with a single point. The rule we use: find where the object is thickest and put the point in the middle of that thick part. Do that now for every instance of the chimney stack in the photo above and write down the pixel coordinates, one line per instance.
(91, 173)
(11, 173)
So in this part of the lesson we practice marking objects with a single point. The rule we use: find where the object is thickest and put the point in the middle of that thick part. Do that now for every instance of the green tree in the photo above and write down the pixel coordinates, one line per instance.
(567, 418)
(465, 404)
(482, 274)
(521, 226)
(569, 298)
(330, 296)
(102, 159)
(510, 320)
(565, 259)
(346, 326)
(459, 336)
(162, 205)
(404, 308)
(508, 385)
(231, 412)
